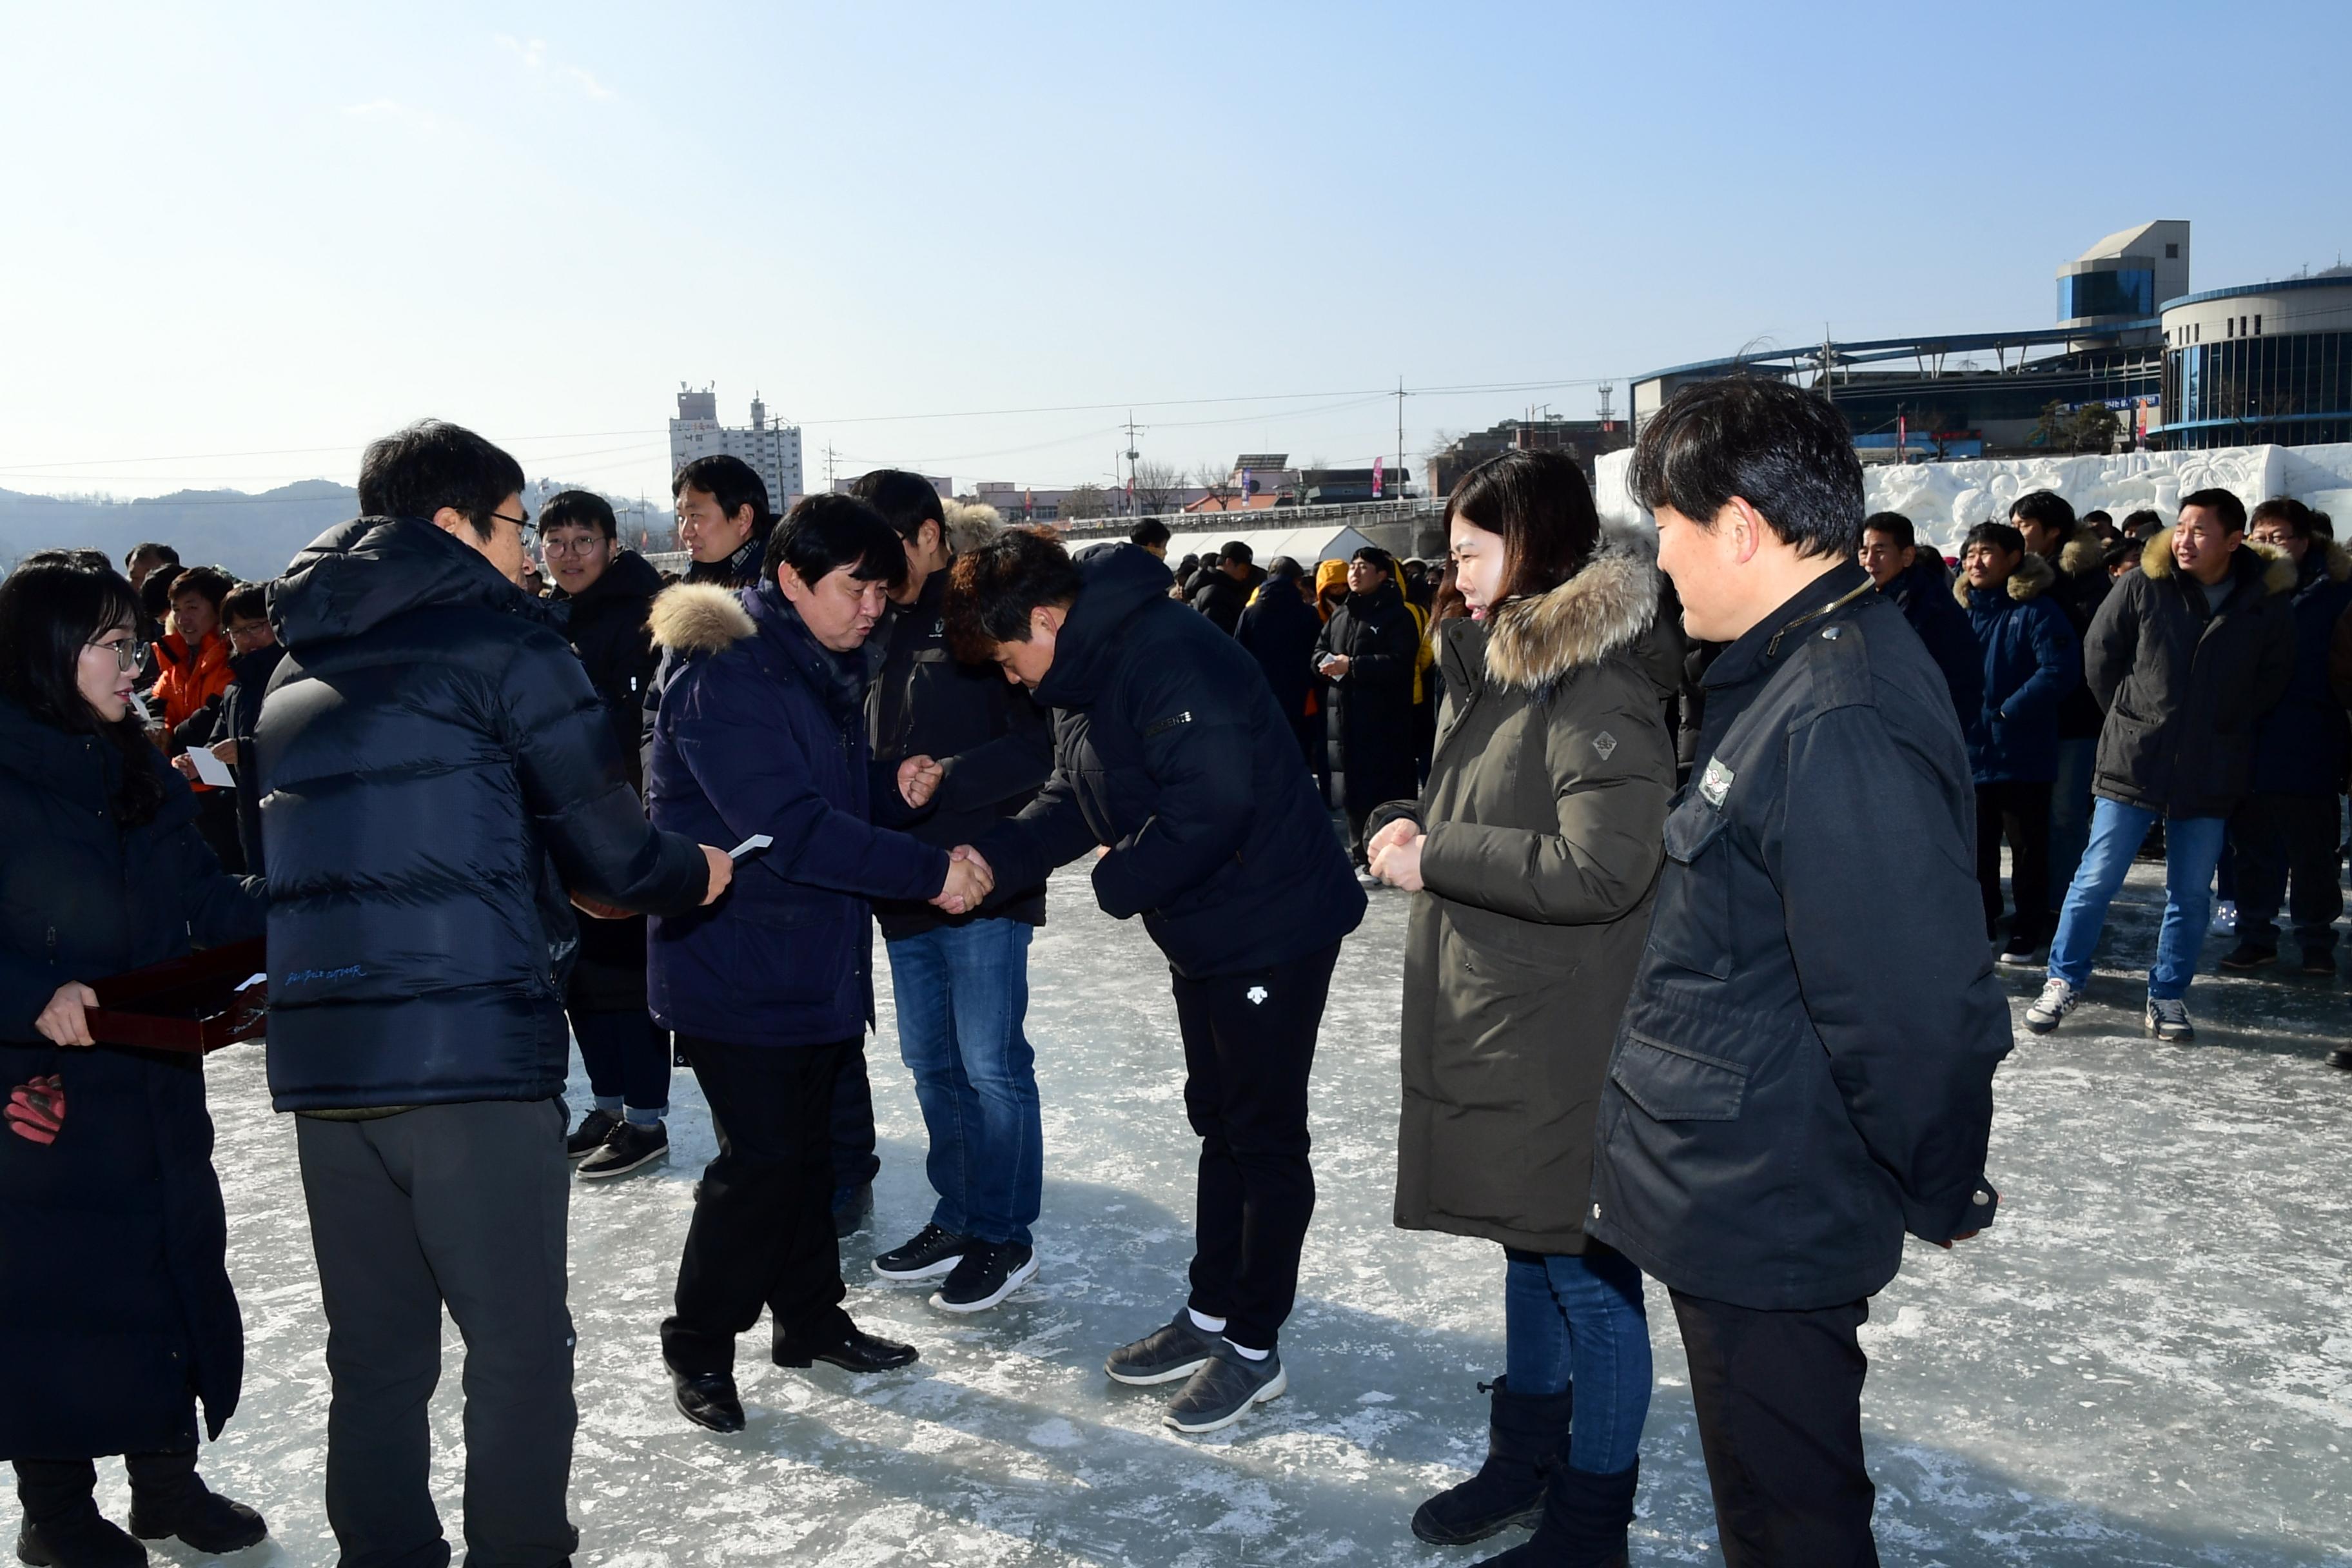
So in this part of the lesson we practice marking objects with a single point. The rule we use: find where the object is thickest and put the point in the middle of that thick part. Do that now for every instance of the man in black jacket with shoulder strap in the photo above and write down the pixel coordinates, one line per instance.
(1778, 1116)
(1173, 764)
(442, 780)
(961, 982)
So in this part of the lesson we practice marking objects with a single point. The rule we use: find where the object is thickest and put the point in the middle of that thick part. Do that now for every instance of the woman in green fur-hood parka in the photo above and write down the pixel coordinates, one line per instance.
(1533, 856)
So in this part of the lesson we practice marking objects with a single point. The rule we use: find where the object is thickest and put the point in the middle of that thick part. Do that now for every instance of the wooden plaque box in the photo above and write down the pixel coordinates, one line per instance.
(199, 1002)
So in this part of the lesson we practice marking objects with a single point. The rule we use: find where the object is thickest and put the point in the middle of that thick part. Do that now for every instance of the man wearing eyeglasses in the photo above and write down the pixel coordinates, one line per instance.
(441, 780)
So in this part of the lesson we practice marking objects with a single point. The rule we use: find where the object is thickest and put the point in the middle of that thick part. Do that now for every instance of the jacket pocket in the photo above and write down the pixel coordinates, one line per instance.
(1672, 1083)
(1691, 927)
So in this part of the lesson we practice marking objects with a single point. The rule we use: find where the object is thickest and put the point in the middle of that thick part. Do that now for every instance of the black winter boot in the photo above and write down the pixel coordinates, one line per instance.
(63, 1527)
(168, 1497)
(1585, 1518)
(1508, 1489)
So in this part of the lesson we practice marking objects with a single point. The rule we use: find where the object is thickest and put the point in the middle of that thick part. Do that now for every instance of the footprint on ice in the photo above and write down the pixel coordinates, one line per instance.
(1055, 1434)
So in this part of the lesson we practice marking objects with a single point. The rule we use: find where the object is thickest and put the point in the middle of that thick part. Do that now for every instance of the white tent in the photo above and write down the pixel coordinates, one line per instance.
(1304, 545)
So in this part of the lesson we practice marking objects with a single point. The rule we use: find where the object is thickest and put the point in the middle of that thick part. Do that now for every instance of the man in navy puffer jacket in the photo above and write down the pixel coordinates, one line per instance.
(441, 779)
(760, 731)
(2031, 660)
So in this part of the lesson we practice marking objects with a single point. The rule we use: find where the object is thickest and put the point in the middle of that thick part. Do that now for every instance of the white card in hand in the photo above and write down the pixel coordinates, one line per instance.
(211, 769)
(752, 846)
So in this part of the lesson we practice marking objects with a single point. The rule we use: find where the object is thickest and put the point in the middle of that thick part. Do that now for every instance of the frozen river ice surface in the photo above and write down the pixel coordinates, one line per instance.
(2149, 1360)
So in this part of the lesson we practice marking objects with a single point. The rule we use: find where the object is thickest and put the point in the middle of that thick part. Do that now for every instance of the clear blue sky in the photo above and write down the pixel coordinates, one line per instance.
(247, 244)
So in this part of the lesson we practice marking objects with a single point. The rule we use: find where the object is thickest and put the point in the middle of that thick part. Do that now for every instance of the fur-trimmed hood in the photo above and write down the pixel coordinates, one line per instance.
(2033, 577)
(2084, 554)
(700, 617)
(1532, 643)
(2278, 570)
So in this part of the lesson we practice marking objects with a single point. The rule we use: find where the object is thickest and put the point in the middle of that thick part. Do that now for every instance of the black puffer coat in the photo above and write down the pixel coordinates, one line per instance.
(2081, 587)
(1370, 709)
(606, 626)
(2184, 686)
(439, 772)
(114, 1287)
(1169, 749)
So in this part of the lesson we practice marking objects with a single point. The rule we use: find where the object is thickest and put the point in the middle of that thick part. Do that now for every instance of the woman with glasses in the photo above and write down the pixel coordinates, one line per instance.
(114, 1295)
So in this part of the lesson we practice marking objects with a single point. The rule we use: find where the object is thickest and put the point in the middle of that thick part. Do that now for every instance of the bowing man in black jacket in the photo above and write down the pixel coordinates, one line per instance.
(443, 780)
(1173, 763)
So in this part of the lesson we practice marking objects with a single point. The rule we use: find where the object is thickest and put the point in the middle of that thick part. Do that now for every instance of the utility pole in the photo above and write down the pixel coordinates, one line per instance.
(1399, 460)
(1135, 501)
(828, 465)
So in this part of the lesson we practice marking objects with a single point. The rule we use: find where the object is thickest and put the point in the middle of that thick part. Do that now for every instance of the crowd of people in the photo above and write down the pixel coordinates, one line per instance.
(484, 818)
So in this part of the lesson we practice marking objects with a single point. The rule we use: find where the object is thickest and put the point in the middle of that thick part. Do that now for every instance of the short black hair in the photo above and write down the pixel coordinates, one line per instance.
(733, 483)
(156, 548)
(579, 509)
(2095, 516)
(1895, 525)
(2323, 526)
(1284, 566)
(54, 602)
(2005, 535)
(416, 472)
(246, 601)
(993, 588)
(1186, 566)
(1235, 550)
(2221, 503)
(213, 583)
(1150, 531)
(2287, 509)
(1374, 556)
(1786, 452)
(2049, 509)
(2141, 523)
(826, 533)
(906, 500)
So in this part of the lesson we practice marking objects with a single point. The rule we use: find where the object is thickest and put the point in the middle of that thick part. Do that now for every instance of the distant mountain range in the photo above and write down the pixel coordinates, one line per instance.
(253, 536)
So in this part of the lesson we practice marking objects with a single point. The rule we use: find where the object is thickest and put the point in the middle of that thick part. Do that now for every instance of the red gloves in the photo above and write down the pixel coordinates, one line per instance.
(37, 1111)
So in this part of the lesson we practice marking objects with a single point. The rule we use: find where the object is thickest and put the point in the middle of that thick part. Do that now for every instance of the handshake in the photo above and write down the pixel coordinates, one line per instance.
(970, 880)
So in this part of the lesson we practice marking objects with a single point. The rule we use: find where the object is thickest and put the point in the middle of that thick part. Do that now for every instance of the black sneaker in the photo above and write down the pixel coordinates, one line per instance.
(2246, 955)
(1222, 1392)
(590, 1135)
(2015, 957)
(2319, 961)
(2341, 1059)
(1163, 1355)
(630, 1146)
(931, 1253)
(989, 1271)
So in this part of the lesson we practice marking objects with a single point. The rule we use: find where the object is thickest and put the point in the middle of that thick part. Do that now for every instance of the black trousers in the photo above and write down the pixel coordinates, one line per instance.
(1249, 1045)
(2021, 812)
(854, 1161)
(462, 1207)
(627, 1056)
(1779, 1397)
(762, 1228)
(2280, 835)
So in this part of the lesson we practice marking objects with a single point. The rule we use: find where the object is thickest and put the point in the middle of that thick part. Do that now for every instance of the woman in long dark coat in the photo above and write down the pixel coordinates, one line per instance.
(1534, 859)
(115, 1289)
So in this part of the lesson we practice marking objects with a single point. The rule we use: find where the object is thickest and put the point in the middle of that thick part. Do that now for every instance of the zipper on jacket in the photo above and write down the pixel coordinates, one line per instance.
(1164, 725)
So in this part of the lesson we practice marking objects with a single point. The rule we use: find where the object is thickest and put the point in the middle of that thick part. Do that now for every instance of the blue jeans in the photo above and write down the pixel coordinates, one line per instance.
(2070, 813)
(2191, 847)
(962, 992)
(1578, 1321)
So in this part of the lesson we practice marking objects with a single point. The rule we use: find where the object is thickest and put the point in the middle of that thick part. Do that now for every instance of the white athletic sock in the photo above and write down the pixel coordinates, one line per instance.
(1246, 1353)
(1206, 1325)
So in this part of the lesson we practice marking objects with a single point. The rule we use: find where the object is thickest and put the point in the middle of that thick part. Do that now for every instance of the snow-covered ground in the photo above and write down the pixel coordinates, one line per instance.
(2147, 1360)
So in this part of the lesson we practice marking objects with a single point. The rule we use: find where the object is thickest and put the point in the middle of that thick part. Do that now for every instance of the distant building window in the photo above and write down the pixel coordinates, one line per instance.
(2172, 252)
(2258, 326)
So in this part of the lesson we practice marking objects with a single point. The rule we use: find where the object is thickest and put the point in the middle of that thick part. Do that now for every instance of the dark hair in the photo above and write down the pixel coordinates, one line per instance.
(51, 606)
(2122, 553)
(1284, 566)
(2287, 509)
(1186, 567)
(1373, 555)
(2323, 526)
(2221, 504)
(416, 472)
(213, 583)
(247, 602)
(993, 588)
(1540, 507)
(162, 553)
(906, 500)
(1784, 451)
(1150, 530)
(2049, 509)
(579, 509)
(2095, 516)
(156, 595)
(2139, 524)
(1895, 525)
(2007, 536)
(1235, 550)
(733, 483)
(827, 533)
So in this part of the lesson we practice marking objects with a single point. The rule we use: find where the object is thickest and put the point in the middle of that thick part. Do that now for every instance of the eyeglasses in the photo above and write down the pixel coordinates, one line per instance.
(575, 545)
(126, 652)
(522, 524)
